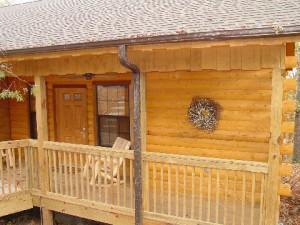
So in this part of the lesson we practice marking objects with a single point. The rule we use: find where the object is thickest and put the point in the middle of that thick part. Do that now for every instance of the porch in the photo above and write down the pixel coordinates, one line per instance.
(176, 188)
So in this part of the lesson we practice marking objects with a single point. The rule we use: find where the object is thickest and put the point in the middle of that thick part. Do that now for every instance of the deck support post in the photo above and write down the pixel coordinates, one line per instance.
(272, 199)
(42, 130)
(137, 145)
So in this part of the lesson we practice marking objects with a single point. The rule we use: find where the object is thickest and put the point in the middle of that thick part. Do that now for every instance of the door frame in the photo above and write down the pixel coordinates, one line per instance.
(55, 87)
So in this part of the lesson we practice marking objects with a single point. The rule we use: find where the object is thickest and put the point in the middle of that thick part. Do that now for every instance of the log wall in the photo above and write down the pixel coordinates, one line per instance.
(245, 121)
(239, 78)
(4, 120)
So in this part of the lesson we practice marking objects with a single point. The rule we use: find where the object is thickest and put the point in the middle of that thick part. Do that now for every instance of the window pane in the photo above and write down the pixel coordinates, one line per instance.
(108, 130)
(77, 97)
(112, 93)
(102, 108)
(113, 100)
(67, 96)
(112, 108)
(124, 125)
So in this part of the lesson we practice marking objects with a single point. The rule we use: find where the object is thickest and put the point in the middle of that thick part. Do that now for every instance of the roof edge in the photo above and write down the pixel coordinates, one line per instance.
(184, 37)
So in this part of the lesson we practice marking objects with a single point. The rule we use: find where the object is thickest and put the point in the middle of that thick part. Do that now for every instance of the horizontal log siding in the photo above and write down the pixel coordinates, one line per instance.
(243, 132)
(4, 120)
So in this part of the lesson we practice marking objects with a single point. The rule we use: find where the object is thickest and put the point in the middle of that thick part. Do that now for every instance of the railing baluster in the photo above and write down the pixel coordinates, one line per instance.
(169, 189)
(209, 195)
(226, 197)
(125, 183)
(76, 175)
(55, 171)
(217, 196)
(20, 168)
(243, 198)
(118, 180)
(27, 173)
(234, 198)
(262, 186)
(252, 198)
(201, 194)
(71, 173)
(13, 155)
(162, 186)
(154, 186)
(147, 183)
(193, 194)
(32, 163)
(87, 183)
(184, 190)
(82, 176)
(105, 178)
(8, 170)
(177, 190)
(66, 174)
(131, 183)
(49, 169)
(111, 166)
(100, 164)
(93, 179)
(60, 173)
(36, 167)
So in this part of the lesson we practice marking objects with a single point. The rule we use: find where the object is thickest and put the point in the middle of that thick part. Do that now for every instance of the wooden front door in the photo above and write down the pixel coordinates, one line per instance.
(71, 115)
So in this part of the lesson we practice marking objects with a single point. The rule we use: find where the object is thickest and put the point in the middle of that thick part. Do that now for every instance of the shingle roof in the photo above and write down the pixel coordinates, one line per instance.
(62, 22)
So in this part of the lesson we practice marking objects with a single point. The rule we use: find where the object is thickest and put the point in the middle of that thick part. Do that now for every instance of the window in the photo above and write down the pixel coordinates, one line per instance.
(32, 115)
(113, 114)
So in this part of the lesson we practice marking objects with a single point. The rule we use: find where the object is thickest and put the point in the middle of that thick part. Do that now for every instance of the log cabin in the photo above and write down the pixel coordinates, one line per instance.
(134, 69)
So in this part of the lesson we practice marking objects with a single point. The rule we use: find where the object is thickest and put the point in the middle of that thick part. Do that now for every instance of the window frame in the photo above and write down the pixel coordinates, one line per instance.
(98, 116)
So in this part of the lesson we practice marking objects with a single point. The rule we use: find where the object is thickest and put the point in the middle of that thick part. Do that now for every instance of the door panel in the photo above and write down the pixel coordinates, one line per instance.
(71, 115)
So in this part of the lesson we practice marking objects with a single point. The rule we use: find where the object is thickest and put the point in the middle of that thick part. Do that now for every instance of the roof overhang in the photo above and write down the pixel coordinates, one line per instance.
(271, 32)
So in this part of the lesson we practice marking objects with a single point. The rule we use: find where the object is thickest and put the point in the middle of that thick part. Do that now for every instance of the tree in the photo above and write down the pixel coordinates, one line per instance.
(296, 156)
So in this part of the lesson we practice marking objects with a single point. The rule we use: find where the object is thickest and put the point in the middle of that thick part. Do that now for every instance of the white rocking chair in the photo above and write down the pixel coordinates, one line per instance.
(108, 172)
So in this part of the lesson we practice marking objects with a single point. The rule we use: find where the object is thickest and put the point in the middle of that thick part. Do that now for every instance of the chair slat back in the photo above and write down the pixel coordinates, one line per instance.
(120, 143)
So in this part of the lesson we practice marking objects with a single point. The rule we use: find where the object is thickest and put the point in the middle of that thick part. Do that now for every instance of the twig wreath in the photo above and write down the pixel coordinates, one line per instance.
(204, 113)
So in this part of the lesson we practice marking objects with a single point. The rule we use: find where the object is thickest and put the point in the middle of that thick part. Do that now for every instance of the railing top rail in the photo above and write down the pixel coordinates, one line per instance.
(88, 149)
(226, 164)
(14, 144)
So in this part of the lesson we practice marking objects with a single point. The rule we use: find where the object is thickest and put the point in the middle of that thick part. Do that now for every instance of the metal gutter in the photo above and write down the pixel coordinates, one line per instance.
(137, 134)
(180, 37)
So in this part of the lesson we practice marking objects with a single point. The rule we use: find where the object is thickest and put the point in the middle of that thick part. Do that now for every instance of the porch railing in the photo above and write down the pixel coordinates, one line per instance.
(215, 191)
(92, 173)
(18, 167)
(178, 189)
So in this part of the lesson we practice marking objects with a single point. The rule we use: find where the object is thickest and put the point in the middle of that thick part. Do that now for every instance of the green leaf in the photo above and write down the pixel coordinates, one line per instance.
(2, 75)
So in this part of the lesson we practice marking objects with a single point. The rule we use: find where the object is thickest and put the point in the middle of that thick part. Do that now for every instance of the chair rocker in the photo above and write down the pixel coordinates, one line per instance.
(111, 168)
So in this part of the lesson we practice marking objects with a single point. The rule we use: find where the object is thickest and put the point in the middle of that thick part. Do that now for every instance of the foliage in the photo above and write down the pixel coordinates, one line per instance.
(5, 3)
(11, 89)
(290, 206)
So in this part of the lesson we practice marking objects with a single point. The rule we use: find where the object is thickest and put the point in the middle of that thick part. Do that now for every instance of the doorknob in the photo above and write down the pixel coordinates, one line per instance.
(84, 132)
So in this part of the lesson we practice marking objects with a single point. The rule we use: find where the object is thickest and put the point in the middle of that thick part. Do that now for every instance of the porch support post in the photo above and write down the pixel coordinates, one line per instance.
(137, 145)
(42, 130)
(272, 199)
